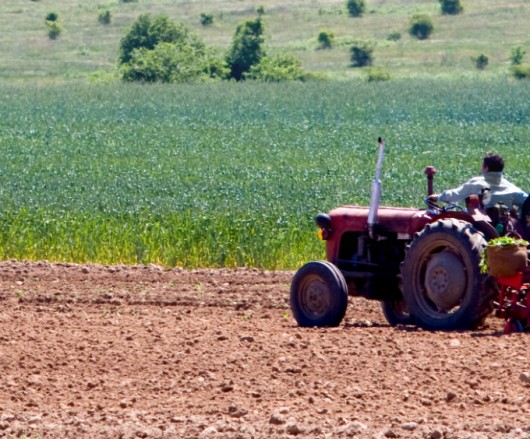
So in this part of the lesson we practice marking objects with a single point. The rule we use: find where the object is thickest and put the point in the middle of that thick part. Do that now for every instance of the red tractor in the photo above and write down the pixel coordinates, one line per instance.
(422, 264)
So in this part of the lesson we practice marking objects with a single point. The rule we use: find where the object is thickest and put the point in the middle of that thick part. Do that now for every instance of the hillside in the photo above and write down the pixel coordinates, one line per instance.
(86, 47)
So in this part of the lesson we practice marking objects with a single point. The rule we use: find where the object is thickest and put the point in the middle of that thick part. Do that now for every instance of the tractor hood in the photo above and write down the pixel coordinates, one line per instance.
(399, 220)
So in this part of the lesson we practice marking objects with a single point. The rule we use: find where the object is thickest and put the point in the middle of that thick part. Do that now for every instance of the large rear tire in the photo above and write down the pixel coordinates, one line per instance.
(319, 295)
(442, 284)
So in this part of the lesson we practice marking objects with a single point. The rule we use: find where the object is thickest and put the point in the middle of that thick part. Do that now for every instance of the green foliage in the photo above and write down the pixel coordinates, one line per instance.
(376, 74)
(481, 61)
(52, 16)
(260, 11)
(451, 7)
(105, 17)
(246, 49)
(326, 39)
(356, 8)
(421, 26)
(516, 56)
(206, 19)
(394, 36)
(362, 54)
(165, 63)
(147, 31)
(277, 68)
(520, 71)
(55, 29)
(502, 241)
(128, 1)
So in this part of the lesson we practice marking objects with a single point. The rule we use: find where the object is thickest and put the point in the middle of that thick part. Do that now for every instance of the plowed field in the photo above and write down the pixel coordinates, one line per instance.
(108, 352)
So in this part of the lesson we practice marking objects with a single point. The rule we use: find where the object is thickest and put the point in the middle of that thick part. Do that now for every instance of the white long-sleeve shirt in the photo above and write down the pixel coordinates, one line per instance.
(501, 191)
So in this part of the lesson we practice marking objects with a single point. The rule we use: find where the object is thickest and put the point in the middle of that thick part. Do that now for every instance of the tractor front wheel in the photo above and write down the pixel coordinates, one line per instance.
(319, 295)
(442, 284)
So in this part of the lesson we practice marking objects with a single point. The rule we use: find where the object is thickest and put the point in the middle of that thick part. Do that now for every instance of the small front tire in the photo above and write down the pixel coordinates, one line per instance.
(319, 295)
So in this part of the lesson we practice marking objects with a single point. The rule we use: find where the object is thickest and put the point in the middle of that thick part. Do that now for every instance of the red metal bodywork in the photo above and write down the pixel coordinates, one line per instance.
(404, 222)
(513, 302)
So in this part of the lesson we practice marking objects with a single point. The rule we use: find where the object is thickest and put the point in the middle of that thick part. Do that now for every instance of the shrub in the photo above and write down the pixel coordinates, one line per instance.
(246, 50)
(481, 61)
(421, 26)
(326, 39)
(356, 8)
(206, 19)
(394, 36)
(517, 55)
(377, 74)
(52, 16)
(278, 68)
(260, 10)
(521, 71)
(54, 29)
(157, 49)
(451, 7)
(105, 17)
(216, 68)
(361, 54)
(147, 31)
(165, 63)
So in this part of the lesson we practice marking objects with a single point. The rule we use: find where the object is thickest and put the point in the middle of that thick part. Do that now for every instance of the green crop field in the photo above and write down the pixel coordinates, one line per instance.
(232, 174)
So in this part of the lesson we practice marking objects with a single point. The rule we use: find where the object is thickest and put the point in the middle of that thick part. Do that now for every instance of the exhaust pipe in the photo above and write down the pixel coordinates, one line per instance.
(376, 190)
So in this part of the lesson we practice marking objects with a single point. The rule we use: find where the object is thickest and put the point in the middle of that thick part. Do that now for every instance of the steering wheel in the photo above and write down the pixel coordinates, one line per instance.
(433, 205)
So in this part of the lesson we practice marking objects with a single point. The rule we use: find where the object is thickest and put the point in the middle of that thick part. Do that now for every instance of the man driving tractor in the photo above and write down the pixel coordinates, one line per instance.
(497, 189)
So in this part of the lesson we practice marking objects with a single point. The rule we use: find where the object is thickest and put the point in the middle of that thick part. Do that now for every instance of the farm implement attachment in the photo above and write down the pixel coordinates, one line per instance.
(513, 302)
(423, 265)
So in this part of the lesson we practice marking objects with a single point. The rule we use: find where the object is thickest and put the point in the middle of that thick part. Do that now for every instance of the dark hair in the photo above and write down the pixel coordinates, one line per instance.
(493, 162)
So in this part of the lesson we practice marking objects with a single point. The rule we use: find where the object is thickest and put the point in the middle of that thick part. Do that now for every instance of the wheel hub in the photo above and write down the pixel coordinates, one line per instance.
(445, 280)
(316, 297)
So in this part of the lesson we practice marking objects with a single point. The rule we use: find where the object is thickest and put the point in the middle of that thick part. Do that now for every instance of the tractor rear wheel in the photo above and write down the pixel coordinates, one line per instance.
(396, 312)
(319, 295)
(442, 284)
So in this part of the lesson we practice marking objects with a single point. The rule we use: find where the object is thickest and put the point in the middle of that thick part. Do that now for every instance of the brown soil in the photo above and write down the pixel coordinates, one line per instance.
(93, 351)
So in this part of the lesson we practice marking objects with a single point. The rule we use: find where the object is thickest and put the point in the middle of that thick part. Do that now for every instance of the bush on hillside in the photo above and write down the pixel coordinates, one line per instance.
(377, 74)
(356, 8)
(148, 31)
(517, 55)
(105, 17)
(165, 63)
(52, 16)
(421, 26)
(278, 68)
(157, 49)
(362, 54)
(55, 29)
(206, 19)
(481, 61)
(451, 7)
(247, 48)
(521, 71)
(326, 39)
(394, 36)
